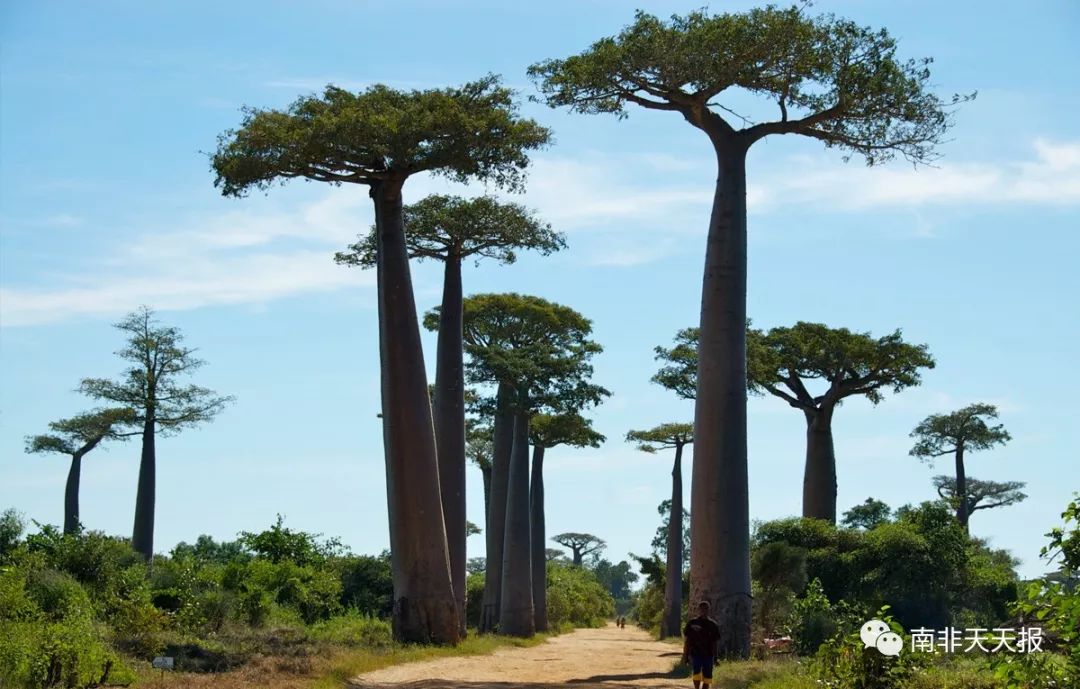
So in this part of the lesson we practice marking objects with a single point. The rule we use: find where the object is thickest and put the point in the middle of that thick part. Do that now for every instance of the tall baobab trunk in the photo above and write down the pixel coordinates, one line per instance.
(516, 616)
(142, 535)
(819, 476)
(720, 502)
(502, 444)
(450, 425)
(425, 609)
(672, 625)
(71, 495)
(485, 473)
(539, 538)
(961, 488)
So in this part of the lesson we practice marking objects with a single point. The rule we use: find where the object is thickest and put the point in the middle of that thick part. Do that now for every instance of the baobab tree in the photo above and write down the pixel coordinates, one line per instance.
(379, 138)
(831, 80)
(451, 229)
(479, 448)
(981, 495)
(159, 403)
(538, 354)
(580, 545)
(784, 361)
(957, 433)
(547, 431)
(670, 436)
(76, 437)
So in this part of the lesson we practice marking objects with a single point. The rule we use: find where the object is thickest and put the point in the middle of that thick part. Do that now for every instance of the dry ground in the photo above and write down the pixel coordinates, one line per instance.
(582, 659)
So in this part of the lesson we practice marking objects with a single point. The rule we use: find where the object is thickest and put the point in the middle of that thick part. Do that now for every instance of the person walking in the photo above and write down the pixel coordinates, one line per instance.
(700, 637)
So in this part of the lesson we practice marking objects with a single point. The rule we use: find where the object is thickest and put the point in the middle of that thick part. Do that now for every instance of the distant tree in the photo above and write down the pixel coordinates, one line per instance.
(957, 433)
(472, 529)
(76, 437)
(12, 526)
(206, 549)
(279, 543)
(379, 138)
(781, 363)
(981, 495)
(660, 538)
(580, 545)
(831, 80)
(151, 388)
(450, 230)
(547, 431)
(869, 514)
(476, 565)
(616, 578)
(479, 450)
(670, 436)
(552, 554)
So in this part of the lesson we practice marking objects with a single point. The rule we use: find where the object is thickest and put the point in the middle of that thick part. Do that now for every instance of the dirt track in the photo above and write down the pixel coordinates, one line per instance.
(585, 658)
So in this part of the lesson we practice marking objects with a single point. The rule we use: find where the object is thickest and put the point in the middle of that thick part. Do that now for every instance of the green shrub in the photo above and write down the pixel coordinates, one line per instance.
(576, 598)
(844, 662)
(58, 596)
(46, 654)
(354, 629)
(474, 599)
(367, 583)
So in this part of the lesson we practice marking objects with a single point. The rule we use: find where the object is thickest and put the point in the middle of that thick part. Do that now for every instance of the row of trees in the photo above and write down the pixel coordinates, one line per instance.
(830, 79)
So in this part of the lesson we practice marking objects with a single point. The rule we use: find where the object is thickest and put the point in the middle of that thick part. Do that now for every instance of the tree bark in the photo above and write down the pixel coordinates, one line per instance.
(502, 444)
(720, 503)
(142, 534)
(672, 625)
(449, 414)
(538, 539)
(819, 476)
(71, 495)
(962, 512)
(516, 615)
(425, 608)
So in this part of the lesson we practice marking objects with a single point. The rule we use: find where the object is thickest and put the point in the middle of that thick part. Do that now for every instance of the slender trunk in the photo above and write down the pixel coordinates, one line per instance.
(539, 538)
(819, 476)
(450, 425)
(961, 489)
(579, 557)
(425, 609)
(516, 616)
(720, 502)
(672, 625)
(502, 442)
(71, 495)
(142, 535)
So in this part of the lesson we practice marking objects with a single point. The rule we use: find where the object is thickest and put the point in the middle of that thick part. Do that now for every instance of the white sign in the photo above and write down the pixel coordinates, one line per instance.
(163, 662)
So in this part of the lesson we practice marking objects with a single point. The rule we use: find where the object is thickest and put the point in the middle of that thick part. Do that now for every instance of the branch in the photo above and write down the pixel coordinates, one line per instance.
(786, 126)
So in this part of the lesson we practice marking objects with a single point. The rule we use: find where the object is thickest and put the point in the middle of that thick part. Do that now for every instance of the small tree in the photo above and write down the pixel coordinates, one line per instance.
(160, 404)
(547, 431)
(76, 437)
(580, 545)
(450, 229)
(831, 80)
(379, 138)
(668, 436)
(659, 541)
(981, 495)
(868, 515)
(957, 433)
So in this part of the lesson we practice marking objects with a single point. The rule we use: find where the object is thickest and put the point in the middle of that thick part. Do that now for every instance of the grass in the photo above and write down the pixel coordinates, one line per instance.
(327, 666)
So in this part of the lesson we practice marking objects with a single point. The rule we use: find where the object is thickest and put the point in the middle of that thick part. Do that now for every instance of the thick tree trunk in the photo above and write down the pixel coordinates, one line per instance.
(449, 414)
(538, 539)
(961, 489)
(142, 535)
(720, 503)
(516, 616)
(71, 495)
(425, 609)
(819, 475)
(672, 625)
(502, 444)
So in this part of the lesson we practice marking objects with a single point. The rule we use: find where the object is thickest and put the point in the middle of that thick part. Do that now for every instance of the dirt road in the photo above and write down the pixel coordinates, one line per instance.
(583, 659)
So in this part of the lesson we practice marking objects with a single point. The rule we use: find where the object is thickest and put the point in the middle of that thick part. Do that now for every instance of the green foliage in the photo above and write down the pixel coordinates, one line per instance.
(844, 662)
(832, 79)
(442, 228)
(575, 597)
(659, 541)
(11, 531)
(78, 435)
(469, 132)
(279, 544)
(366, 584)
(207, 550)
(616, 578)
(354, 629)
(779, 570)
(981, 495)
(870, 514)
(941, 434)
(571, 428)
(474, 598)
(1065, 540)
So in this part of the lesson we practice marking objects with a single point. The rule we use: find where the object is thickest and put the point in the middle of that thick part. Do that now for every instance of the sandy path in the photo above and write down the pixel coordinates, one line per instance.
(585, 658)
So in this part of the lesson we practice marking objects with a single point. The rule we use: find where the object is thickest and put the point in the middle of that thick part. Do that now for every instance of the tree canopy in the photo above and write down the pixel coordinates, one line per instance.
(439, 227)
(829, 78)
(467, 132)
(80, 434)
(550, 430)
(967, 429)
(580, 544)
(662, 437)
(981, 495)
(870, 514)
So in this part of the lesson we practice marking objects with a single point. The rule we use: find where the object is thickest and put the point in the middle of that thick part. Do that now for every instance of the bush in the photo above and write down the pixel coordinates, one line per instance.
(844, 662)
(58, 596)
(576, 598)
(354, 629)
(367, 583)
(474, 599)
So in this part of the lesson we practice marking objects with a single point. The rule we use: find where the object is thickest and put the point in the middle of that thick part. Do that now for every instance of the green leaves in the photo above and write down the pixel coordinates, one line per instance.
(829, 78)
(80, 434)
(445, 228)
(664, 436)
(941, 434)
(571, 428)
(468, 132)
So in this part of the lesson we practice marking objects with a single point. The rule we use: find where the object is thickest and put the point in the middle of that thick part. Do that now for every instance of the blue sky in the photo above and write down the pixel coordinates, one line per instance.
(107, 202)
